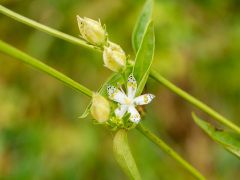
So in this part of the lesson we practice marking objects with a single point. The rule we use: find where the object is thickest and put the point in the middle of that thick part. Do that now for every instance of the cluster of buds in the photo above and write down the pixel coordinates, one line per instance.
(115, 59)
(92, 31)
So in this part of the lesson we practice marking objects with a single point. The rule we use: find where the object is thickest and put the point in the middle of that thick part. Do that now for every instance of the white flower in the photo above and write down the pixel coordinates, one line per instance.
(128, 102)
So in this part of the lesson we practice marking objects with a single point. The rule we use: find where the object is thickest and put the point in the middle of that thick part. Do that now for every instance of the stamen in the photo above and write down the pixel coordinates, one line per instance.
(119, 107)
(120, 86)
(128, 102)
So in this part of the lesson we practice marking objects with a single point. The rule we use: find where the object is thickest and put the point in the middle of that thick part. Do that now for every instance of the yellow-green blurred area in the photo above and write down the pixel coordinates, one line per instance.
(41, 137)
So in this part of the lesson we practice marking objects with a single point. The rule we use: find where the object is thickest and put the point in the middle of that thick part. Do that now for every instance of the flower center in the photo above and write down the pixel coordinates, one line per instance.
(127, 101)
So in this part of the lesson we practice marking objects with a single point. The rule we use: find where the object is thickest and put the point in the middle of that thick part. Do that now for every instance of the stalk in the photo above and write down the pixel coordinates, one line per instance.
(194, 101)
(170, 152)
(11, 51)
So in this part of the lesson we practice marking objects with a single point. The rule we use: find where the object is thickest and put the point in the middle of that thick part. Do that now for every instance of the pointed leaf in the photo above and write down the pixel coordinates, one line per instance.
(87, 111)
(124, 156)
(112, 80)
(141, 25)
(227, 139)
(144, 58)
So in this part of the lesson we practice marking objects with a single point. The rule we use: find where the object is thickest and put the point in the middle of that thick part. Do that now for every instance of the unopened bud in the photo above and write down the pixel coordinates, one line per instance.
(114, 58)
(100, 109)
(115, 47)
(91, 30)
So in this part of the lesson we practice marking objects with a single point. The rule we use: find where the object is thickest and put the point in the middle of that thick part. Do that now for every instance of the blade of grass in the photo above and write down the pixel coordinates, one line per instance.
(169, 151)
(9, 50)
(194, 101)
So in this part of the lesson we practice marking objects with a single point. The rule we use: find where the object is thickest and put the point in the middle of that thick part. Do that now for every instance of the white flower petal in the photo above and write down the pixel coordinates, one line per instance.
(131, 86)
(116, 95)
(120, 112)
(143, 99)
(135, 116)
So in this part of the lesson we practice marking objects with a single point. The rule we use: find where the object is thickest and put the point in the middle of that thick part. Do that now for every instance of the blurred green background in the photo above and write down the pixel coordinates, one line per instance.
(197, 48)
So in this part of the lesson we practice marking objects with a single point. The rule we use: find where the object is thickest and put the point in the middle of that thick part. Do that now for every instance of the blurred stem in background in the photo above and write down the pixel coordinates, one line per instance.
(193, 100)
(44, 28)
(153, 73)
(9, 50)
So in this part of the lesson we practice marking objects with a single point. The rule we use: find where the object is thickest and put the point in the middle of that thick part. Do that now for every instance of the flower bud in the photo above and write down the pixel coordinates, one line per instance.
(100, 109)
(114, 58)
(91, 30)
(115, 47)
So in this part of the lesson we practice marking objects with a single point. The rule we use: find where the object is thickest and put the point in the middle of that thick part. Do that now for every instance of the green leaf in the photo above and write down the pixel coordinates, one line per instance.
(144, 58)
(227, 139)
(124, 156)
(141, 25)
(112, 80)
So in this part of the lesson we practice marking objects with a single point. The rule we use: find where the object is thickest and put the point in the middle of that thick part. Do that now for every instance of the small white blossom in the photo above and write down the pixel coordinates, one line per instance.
(91, 30)
(128, 102)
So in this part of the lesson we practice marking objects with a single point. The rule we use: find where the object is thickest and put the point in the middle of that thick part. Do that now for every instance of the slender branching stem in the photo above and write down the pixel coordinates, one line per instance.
(153, 73)
(46, 29)
(169, 151)
(9, 50)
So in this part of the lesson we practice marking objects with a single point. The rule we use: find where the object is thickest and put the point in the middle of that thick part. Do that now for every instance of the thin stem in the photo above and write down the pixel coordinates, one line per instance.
(194, 101)
(44, 28)
(153, 74)
(9, 50)
(169, 151)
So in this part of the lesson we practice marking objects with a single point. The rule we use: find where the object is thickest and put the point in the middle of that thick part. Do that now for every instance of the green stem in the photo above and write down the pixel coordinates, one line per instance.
(194, 101)
(44, 28)
(169, 151)
(153, 74)
(9, 50)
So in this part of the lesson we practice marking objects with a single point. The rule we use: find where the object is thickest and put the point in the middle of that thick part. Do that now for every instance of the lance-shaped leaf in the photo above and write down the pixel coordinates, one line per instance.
(144, 58)
(227, 139)
(141, 25)
(112, 80)
(124, 156)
